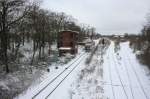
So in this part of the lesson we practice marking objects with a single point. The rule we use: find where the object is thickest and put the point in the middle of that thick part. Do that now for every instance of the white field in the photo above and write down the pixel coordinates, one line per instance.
(114, 73)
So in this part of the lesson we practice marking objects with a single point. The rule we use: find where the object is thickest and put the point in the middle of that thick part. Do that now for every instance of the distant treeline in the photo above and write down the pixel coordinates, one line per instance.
(25, 21)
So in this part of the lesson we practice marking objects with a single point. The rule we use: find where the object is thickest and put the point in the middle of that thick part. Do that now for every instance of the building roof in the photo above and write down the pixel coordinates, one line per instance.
(69, 31)
(87, 40)
(65, 48)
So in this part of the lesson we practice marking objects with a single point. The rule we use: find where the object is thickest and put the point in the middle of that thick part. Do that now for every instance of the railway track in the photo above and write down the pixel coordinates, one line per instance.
(137, 77)
(118, 74)
(76, 62)
(110, 75)
(129, 78)
(63, 79)
(130, 82)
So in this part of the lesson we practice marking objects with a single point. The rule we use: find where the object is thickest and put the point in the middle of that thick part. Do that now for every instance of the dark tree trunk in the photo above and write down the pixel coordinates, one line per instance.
(23, 39)
(4, 38)
(34, 51)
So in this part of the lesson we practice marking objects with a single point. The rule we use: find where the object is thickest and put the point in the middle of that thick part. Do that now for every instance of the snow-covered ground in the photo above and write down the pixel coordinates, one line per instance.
(88, 85)
(114, 73)
(48, 78)
(124, 75)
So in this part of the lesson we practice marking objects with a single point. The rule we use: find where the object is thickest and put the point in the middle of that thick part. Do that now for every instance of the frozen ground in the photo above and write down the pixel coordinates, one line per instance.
(114, 73)
(127, 78)
(49, 76)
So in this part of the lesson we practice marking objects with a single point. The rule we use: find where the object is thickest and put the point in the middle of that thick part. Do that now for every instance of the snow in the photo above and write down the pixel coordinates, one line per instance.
(69, 31)
(114, 73)
(88, 40)
(65, 48)
(96, 41)
(3, 85)
(123, 77)
(48, 78)
(63, 90)
(126, 73)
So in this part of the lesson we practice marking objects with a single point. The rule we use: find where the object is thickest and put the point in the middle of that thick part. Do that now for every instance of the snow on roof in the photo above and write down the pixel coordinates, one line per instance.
(68, 31)
(88, 40)
(65, 48)
(88, 44)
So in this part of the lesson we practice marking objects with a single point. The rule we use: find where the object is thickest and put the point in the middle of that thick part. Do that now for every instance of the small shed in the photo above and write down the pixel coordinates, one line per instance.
(67, 42)
(89, 43)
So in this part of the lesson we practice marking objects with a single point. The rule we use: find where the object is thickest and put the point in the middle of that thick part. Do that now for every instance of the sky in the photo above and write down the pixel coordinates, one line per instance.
(107, 16)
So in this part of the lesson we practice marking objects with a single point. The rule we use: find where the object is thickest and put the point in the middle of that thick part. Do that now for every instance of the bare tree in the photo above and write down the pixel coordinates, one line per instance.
(11, 12)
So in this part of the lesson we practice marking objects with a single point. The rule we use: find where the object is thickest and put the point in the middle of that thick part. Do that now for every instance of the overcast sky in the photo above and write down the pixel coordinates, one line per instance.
(107, 16)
